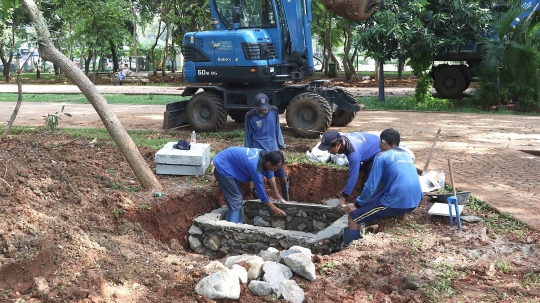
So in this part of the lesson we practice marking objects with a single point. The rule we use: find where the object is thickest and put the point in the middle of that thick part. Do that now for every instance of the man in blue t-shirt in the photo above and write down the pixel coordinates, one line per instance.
(360, 149)
(262, 130)
(392, 188)
(241, 164)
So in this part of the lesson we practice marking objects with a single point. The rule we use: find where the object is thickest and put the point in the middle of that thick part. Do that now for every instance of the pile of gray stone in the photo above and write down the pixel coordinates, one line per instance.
(269, 272)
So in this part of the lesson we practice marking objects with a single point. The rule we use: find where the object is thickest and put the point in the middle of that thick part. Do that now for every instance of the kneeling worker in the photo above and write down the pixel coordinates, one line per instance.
(241, 164)
(392, 188)
(360, 149)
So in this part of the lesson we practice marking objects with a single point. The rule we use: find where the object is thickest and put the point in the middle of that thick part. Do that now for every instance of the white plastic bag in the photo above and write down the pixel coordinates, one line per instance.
(339, 159)
(317, 155)
(429, 182)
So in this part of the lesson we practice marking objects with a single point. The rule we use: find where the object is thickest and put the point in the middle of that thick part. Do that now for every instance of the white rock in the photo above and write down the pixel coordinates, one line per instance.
(194, 243)
(214, 267)
(271, 254)
(252, 264)
(270, 266)
(275, 273)
(296, 249)
(241, 272)
(301, 264)
(221, 285)
(291, 292)
(260, 288)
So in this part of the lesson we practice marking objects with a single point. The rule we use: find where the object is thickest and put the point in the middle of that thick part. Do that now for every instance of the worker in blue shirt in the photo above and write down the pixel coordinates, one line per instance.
(392, 188)
(241, 164)
(262, 130)
(360, 149)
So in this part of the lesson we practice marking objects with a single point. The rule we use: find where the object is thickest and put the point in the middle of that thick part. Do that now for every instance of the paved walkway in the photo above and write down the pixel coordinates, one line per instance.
(497, 157)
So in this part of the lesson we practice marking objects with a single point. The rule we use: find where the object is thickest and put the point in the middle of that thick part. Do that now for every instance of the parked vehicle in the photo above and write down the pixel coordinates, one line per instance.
(12, 68)
(451, 80)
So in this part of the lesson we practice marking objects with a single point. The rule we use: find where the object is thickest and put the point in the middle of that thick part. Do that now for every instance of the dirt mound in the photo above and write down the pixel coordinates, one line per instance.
(75, 218)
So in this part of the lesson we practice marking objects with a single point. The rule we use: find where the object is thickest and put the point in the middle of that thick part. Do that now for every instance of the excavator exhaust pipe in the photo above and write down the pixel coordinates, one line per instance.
(352, 10)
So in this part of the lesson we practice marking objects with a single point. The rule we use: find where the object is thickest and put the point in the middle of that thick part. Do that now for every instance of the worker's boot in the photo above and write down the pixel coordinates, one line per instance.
(234, 216)
(285, 191)
(350, 235)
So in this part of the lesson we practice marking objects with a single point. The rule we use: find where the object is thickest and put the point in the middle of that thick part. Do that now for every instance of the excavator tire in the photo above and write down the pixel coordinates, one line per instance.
(342, 117)
(449, 82)
(206, 112)
(309, 115)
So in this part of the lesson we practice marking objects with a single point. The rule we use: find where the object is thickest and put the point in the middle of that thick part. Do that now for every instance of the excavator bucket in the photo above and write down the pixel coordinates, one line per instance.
(352, 10)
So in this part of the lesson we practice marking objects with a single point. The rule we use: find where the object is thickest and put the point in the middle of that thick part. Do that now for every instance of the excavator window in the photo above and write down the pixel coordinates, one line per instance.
(255, 13)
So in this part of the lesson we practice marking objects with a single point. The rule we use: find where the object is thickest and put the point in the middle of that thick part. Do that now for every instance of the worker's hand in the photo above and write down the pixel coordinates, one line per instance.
(281, 200)
(278, 212)
(282, 151)
(349, 208)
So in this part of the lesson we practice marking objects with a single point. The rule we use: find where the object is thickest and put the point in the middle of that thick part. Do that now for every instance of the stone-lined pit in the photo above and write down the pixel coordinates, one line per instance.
(170, 217)
(313, 226)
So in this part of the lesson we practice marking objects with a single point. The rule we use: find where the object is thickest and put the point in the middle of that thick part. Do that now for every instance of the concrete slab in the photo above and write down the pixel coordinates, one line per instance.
(197, 155)
(181, 170)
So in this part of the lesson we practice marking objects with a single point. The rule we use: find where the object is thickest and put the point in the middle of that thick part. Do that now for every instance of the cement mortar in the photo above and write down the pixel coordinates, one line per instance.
(312, 226)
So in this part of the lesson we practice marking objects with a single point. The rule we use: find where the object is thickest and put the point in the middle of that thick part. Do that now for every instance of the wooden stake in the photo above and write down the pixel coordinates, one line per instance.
(431, 152)
(452, 177)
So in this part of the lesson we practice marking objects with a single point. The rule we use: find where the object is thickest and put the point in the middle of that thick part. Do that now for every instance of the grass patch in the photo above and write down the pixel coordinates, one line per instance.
(148, 99)
(441, 289)
(500, 223)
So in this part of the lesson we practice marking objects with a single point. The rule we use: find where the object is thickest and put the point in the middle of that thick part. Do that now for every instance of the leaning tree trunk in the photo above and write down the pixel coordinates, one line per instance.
(16, 110)
(126, 145)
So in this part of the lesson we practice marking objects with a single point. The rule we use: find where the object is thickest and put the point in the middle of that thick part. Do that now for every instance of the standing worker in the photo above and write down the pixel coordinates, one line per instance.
(262, 130)
(360, 149)
(392, 188)
(241, 164)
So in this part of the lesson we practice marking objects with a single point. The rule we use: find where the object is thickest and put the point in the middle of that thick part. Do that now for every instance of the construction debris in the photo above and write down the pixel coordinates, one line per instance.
(352, 10)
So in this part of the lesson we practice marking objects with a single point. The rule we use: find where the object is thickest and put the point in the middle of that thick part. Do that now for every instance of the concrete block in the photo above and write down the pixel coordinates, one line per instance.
(181, 170)
(198, 155)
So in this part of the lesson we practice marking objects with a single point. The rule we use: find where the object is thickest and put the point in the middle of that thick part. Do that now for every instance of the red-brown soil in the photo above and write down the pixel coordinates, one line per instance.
(76, 216)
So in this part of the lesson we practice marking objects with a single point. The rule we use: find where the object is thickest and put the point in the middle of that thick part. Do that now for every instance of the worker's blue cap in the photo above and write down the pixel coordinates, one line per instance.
(329, 138)
(261, 101)
(182, 144)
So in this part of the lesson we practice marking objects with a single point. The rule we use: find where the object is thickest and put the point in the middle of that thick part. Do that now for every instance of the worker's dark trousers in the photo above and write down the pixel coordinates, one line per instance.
(233, 197)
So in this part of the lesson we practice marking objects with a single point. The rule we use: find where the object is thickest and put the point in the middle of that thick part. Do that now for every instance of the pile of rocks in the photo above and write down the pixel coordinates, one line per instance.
(269, 272)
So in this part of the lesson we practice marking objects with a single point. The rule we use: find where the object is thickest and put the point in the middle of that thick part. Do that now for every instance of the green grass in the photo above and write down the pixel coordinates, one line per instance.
(445, 105)
(148, 99)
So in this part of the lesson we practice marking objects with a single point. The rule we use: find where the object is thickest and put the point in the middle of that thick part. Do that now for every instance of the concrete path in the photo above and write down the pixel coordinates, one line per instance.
(497, 157)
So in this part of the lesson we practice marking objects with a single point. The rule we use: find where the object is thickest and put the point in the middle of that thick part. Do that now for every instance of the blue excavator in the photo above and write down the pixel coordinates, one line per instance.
(260, 46)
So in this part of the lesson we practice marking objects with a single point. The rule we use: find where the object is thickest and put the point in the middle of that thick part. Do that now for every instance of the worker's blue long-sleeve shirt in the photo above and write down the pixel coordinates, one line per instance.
(393, 171)
(263, 133)
(244, 165)
(358, 147)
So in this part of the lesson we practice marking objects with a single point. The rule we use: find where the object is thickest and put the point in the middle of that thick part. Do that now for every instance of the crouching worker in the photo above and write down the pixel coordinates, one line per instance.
(242, 164)
(392, 188)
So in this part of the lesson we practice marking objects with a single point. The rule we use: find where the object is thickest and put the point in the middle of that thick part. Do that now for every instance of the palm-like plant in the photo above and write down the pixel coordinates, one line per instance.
(511, 61)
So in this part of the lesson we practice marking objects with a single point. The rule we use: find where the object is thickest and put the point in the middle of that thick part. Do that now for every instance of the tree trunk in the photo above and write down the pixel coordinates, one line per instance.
(165, 50)
(114, 53)
(376, 76)
(401, 67)
(126, 145)
(87, 61)
(137, 67)
(15, 111)
(152, 50)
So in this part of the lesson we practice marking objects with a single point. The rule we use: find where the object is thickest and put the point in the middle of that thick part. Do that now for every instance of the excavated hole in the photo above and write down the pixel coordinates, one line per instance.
(194, 220)
(535, 153)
